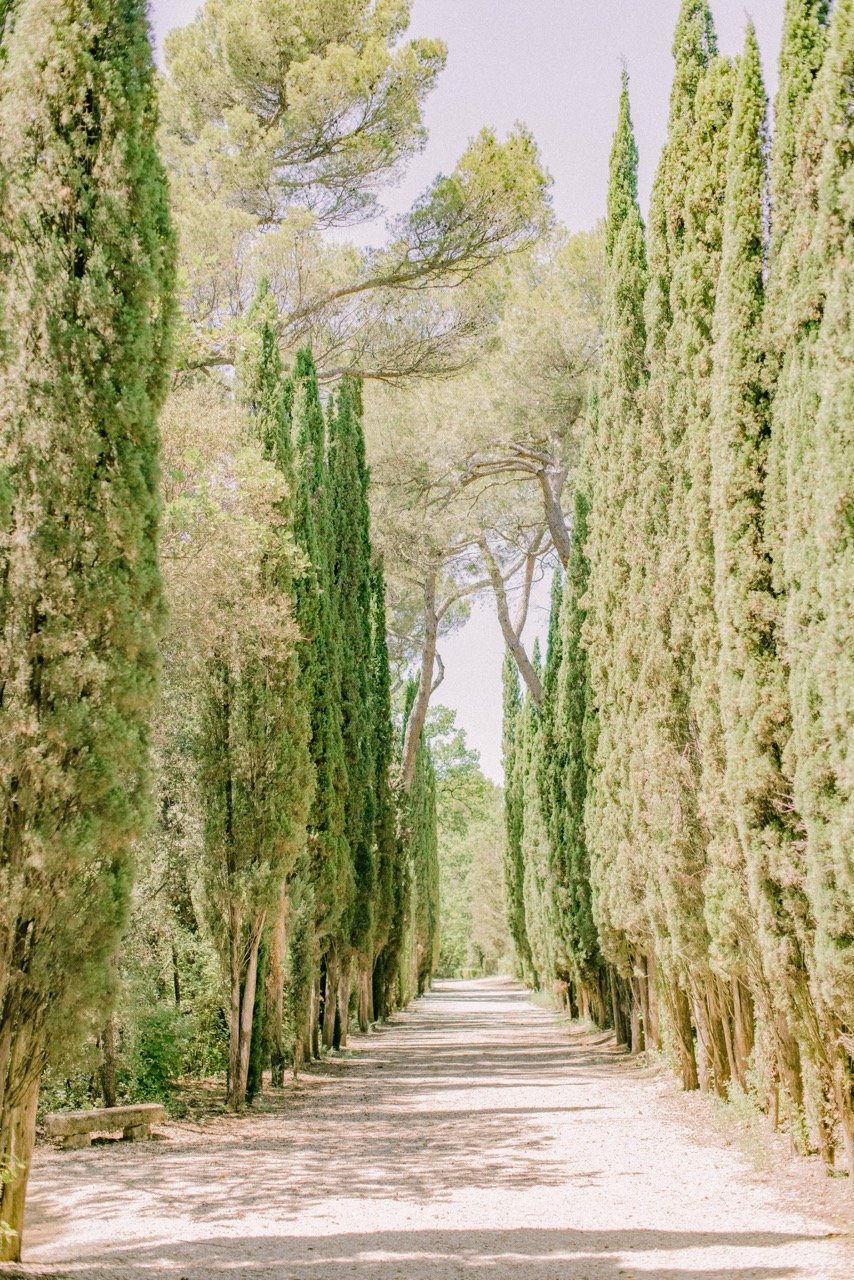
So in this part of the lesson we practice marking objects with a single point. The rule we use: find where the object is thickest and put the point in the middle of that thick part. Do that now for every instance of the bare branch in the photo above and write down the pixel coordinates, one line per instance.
(511, 639)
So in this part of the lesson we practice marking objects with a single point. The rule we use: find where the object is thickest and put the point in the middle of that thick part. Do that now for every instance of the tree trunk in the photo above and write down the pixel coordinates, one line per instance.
(365, 996)
(330, 1001)
(240, 1017)
(621, 1030)
(418, 713)
(108, 1063)
(680, 1012)
(17, 1137)
(276, 991)
(176, 976)
(343, 1003)
(314, 1032)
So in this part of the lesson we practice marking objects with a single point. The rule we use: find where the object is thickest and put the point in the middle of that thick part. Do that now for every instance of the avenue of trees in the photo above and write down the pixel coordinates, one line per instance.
(252, 475)
(678, 794)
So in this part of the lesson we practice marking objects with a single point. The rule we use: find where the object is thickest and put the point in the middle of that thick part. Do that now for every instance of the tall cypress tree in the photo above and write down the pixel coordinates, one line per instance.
(268, 397)
(351, 581)
(391, 880)
(86, 272)
(792, 316)
(255, 772)
(683, 254)
(514, 869)
(739, 892)
(321, 659)
(819, 562)
(614, 630)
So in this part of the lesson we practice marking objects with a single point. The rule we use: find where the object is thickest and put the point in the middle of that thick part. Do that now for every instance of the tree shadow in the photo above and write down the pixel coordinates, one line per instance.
(520, 1254)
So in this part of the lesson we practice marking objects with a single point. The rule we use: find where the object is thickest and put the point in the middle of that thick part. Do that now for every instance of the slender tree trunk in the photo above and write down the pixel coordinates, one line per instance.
(17, 1138)
(314, 1033)
(343, 1003)
(176, 976)
(276, 991)
(108, 1062)
(621, 1030)
(418, 714)
(365, 996)
(680, 1012)
(330, 1002)
(243, 984)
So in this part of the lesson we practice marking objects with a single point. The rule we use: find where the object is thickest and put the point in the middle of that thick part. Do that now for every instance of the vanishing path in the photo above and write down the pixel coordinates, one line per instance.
(475, 1137)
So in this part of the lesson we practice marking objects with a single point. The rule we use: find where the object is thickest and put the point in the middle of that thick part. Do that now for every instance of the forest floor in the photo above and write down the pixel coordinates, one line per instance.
(476, 1136)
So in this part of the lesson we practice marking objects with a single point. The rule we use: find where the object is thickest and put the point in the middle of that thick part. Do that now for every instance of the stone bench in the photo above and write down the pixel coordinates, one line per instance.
(76, 1127)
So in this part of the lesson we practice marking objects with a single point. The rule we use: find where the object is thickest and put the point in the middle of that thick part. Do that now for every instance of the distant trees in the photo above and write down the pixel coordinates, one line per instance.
(86, 275)
(694, 790)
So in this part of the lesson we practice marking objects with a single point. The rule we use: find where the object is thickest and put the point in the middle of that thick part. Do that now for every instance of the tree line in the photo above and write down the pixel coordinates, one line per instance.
(218, 838)
(678, 801)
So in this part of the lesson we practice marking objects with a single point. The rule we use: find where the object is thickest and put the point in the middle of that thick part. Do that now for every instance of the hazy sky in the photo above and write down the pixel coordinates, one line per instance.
(554, 64)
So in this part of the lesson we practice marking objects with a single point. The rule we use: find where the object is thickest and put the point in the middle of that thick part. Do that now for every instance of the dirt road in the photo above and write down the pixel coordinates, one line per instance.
(475, 1137)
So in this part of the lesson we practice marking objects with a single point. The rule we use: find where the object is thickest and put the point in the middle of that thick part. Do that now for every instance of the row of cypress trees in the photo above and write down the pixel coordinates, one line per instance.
(313, 867)
(321, 876)
(679, 812)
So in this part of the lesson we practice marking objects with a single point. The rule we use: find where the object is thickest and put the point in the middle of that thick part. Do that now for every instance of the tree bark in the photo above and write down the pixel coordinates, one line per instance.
(418, 714)
(343, 1003)
(276, 991)
(108, 1062)
(243, 982)
(511, 639)
(17, 1138)
(330, 1002)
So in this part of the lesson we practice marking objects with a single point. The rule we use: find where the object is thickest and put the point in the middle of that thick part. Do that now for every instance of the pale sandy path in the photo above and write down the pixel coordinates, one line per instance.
(474, 1138)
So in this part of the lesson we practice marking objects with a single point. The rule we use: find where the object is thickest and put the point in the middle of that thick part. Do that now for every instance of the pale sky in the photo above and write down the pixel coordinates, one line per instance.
(555, 65)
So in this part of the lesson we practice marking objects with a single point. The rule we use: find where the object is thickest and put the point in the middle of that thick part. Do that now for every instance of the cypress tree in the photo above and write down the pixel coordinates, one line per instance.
(321, 660)
(419, 951)
(819, 562)
(684, 249)
(575, 748)
(390, 874)
(737, 900)
(351, 583)
(794, 306)
(514, 868)
(539, 907)
(86, 272)
(268, 396)
(614, 632)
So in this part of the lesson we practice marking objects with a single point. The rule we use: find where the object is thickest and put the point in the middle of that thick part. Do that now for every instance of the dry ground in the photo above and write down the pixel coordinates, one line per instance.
(474, 1137)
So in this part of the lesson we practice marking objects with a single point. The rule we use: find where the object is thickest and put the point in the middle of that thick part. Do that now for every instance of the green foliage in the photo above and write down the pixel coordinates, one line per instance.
(321, 653)
(86, 274)
(474, 935)
(350, 550)
(514, 866)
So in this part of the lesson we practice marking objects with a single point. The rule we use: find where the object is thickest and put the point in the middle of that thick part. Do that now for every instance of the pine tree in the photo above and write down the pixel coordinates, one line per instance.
(86, 270)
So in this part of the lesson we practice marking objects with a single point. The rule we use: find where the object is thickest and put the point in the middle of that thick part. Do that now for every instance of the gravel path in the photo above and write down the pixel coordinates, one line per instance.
(474, 1137)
